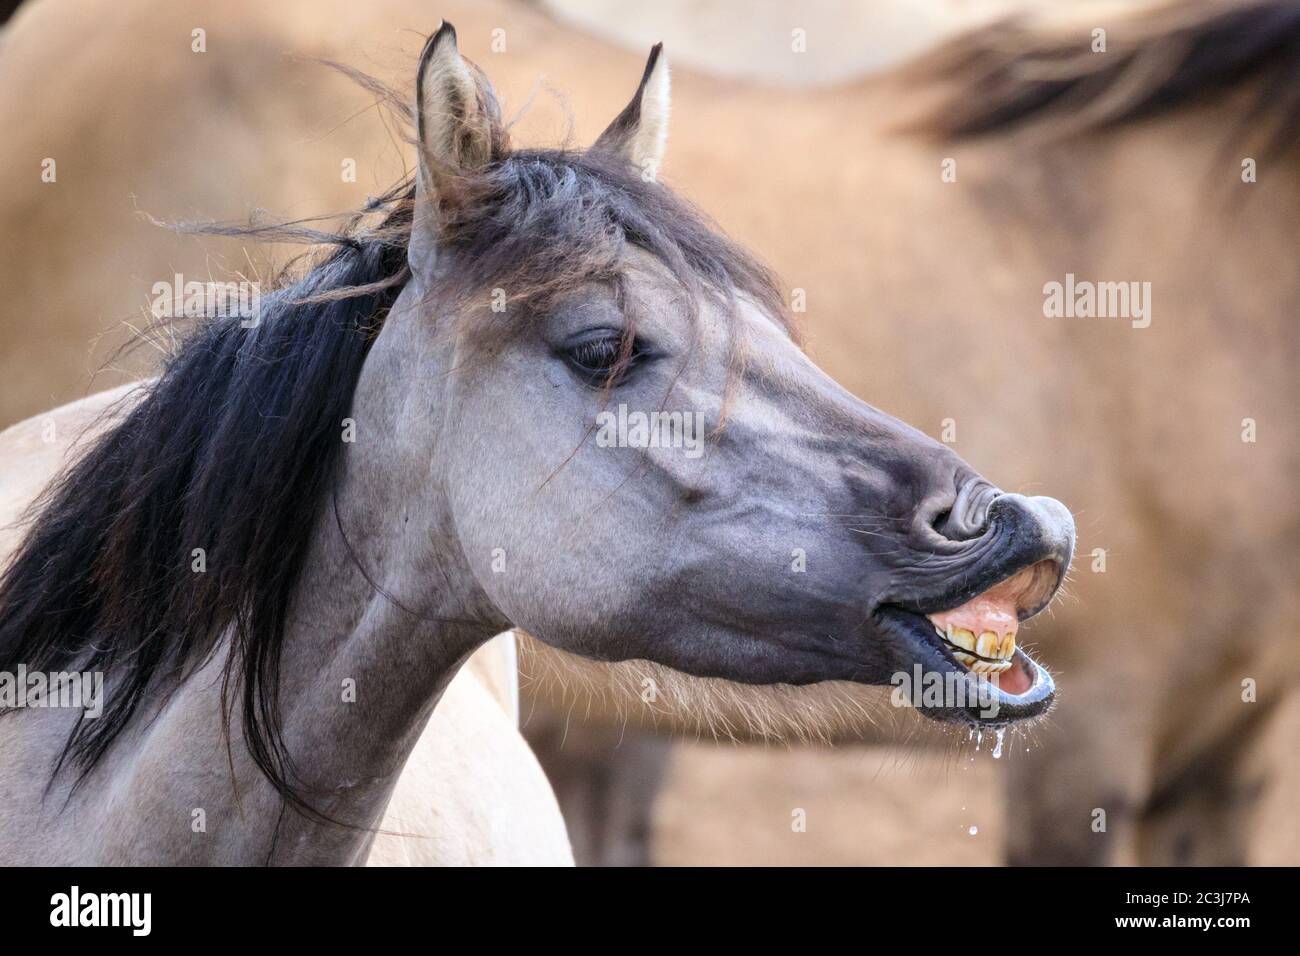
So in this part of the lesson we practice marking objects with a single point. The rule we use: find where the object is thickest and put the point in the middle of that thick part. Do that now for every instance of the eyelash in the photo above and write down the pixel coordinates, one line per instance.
(596, 355)
(594, 359)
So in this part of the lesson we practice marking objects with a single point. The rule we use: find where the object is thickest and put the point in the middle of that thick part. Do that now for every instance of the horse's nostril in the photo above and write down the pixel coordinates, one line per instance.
(967, 516)
(958, 527)
(941, 519)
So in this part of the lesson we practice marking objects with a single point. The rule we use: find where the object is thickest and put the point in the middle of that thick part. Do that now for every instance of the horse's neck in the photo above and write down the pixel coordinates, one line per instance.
(375, 636)
(378, 627)
(378, 631)
(385, 615)
(360, 678)
(359, 682)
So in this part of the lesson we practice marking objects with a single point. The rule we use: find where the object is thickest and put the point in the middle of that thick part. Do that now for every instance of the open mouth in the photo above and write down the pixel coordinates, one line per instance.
(981, 633)
(977, 638)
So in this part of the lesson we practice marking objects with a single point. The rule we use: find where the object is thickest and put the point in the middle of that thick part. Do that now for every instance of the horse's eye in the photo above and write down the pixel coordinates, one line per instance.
(594, 360)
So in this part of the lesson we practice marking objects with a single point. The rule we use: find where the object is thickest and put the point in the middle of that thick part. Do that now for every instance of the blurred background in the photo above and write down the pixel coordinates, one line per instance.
(809, 131)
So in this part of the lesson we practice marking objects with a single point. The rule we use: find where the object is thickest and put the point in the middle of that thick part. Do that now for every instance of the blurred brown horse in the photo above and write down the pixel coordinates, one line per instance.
(1037, 161)
(1032, 160)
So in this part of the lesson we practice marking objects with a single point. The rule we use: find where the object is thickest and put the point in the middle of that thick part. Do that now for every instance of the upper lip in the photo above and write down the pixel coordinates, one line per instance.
(974, 585)
(1020, 532)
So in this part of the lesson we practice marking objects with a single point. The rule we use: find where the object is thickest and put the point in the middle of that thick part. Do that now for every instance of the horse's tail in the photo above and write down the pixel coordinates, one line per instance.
(1100, 72)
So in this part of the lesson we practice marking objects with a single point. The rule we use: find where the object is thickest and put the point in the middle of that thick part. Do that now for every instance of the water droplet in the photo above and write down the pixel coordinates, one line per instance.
(997, 751)
(974, 830)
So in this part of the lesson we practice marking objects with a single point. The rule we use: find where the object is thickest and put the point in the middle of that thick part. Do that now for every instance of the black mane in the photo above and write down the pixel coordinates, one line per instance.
(232, 451)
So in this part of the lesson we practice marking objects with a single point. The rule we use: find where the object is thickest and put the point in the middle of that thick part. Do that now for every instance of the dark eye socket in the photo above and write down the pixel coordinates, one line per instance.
(594, 359)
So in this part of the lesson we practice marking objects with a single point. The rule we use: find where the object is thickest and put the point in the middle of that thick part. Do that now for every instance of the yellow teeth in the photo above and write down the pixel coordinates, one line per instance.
(962, 638)
(988, 645)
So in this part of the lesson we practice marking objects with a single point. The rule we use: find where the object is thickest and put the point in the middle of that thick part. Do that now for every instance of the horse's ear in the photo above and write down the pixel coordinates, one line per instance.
(459, 131)
(639, 133)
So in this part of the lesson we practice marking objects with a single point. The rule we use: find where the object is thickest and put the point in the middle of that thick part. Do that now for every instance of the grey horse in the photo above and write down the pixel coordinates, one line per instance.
(531, 388)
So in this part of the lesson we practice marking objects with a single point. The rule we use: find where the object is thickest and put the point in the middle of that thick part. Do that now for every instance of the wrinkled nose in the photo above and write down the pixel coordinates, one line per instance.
(968, 515)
